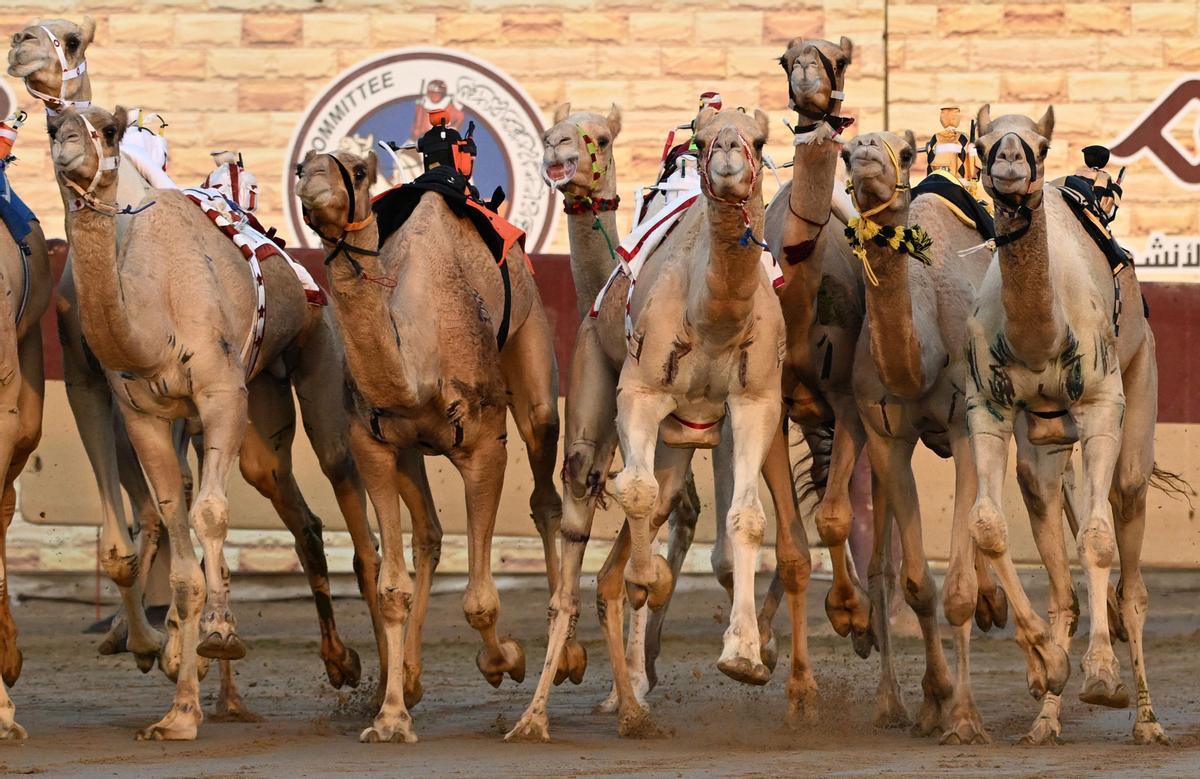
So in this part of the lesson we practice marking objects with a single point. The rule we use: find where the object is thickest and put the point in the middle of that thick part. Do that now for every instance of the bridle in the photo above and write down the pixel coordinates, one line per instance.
(86, 197)
(56, 105)
(1018, 205)
(837, 96)
(340, 244)
(582, 204)
(756, 173)
(901, 186)
(907, 239)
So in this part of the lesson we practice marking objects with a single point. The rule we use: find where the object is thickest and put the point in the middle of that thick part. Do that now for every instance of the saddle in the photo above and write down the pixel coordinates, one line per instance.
(951, 191)
(1084, 201)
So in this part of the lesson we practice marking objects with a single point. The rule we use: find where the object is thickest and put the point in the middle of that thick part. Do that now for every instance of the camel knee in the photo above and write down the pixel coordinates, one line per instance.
(259, 474)
(988, 528)
(1096, 545)
(211, 517)
(920, 593)
(581, 476)
(795, 573)
(543, 422)
(395, 602)
(833, 520)
(119, 565)
(960, 593)
(481, 605)
(1034, 490)
(636, 491)
(1131, 482)
(747, 525)
(340, 468)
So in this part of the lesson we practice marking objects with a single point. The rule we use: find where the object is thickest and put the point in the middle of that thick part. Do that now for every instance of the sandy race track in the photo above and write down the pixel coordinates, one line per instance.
(81, 710)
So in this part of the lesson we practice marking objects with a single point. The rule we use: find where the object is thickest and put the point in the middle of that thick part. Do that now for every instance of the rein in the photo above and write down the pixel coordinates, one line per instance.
(911, 240)
(741, 205)
(341, 244)
(56, 105)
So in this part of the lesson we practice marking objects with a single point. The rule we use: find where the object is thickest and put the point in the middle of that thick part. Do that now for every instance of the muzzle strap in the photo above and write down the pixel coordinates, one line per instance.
(56, 105)
(1018, 206)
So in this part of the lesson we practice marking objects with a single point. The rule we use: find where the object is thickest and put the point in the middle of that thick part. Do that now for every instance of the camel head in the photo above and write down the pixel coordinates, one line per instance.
(32, 56)
(1012, 152)
(816, 74)
(878, 164)
(577, 152)
(331, 185)
(85, 147)
(730, 144)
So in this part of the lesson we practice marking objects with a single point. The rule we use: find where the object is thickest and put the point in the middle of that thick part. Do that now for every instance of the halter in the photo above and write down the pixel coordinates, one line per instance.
(87, 197)
(586, 203)
(836, 97)
(340, 245)
(1018, 206)
(910, 239)
(756, 171)
(56, 105)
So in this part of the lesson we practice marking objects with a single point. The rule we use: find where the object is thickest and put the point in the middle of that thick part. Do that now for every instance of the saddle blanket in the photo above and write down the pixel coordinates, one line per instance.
(250, 237)
(971, 212)
(13, 211)
(1080, 196)
(676, 194)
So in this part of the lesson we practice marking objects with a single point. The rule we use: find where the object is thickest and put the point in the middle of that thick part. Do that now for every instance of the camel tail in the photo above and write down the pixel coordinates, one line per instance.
(810, 474)
(1172, 484)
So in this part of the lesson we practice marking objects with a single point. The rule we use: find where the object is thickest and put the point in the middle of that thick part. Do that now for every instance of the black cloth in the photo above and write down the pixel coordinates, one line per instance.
(1084, 203)
(962, 200)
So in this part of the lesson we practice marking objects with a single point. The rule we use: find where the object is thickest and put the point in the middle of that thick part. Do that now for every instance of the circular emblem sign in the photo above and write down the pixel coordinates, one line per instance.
(387, 99)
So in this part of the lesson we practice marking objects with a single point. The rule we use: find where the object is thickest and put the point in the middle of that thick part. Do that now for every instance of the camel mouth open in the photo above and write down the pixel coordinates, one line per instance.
(559, 174)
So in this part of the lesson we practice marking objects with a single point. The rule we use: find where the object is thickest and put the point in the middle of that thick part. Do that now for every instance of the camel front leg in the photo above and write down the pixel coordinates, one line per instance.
(531, 374)
(413, 484)
(482, 472)
(1047, 666)
(11, 383)
(793, 571)
(890, 711)
(151, 437)
(845, 605)
(1099, 423)
(588, 450)
(681, 529)
(754, 422)
(377, 464)
(640, 411)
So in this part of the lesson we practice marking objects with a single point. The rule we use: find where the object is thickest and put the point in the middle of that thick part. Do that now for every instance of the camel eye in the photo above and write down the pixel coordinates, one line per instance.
(602, 142)
(758, 145)
(841, 64)
(72, 42)
(906, 155)
(1043, 150)
(980, 150)
(360, 173)
(110, 133)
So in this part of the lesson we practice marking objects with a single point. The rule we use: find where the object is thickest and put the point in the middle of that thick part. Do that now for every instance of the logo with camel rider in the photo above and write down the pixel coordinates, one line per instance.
(388, 102)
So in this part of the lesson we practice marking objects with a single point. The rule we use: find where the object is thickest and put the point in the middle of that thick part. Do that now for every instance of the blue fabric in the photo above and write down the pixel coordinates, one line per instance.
(14, 213)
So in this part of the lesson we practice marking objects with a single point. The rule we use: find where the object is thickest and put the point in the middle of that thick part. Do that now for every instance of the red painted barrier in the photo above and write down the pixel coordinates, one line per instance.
(1174, 317)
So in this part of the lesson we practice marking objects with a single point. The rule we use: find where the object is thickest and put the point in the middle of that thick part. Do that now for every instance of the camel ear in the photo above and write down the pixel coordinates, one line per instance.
(983, 119)
(847, 48)
(793, 43)
(53, 122)
(561, 112)
(121, 122)
(87, 31)
(1045, 125)
(614, 120)
(764, 123)
(309, 156)
(910, 139)
(372, 167)
(704, 117)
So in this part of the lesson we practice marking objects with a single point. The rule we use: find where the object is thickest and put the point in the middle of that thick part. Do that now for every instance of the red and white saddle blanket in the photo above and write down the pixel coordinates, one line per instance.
(675, 195)
(250, 238)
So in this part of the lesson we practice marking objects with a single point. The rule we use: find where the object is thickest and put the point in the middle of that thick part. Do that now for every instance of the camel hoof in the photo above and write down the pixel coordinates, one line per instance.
(381, 733)
(218, 647)
(235, 712)
(769, 653)
(10, 671)
(145, 662)
(345, 669)
(967, 729)
(533, 726)
(746, 671)
(1104, 690)
(838, 616)
(609, 704)
(572, 663)
(991, 609)
(663, 585)
(636, 723)
(890, 712)
(177, 725)
(14, 732)
(863, 642)
(414, 691)
(1045, 732)
(1148, 733)
(513, 663)
(1055, 670)
(114, 642)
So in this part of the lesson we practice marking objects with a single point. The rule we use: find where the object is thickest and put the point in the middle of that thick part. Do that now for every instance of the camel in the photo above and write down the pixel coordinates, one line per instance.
(1063, 367)
(25, 284)
(909, 374)
(416, 396)
(166, 364)
(716, 324)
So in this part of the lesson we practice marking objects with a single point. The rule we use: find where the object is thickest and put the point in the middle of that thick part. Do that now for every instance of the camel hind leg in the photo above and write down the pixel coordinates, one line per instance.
(266, 464)
(1135, 464)
(13, 453)
(531, 374)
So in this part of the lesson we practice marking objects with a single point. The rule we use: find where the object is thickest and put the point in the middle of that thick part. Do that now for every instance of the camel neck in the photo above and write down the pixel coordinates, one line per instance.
(78, 89)
(361, 298)
(733, 272)
(814, 167)
(895, 347)
(104, 312)
(592, 258)
(1034, 323)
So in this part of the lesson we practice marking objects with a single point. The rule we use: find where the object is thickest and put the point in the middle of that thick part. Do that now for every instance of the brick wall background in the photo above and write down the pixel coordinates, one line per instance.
(239, 73)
